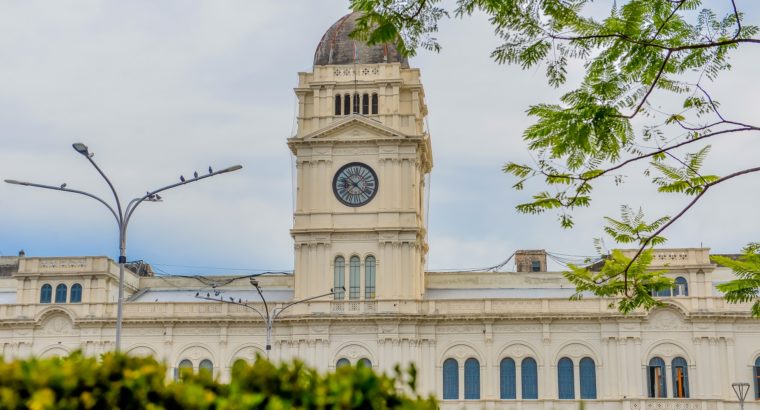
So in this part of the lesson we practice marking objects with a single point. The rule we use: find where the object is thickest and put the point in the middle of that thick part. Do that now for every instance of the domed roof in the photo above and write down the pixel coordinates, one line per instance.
(337, 48)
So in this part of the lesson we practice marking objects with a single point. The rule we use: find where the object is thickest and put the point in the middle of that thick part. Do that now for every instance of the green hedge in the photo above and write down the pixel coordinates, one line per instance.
(124, 382)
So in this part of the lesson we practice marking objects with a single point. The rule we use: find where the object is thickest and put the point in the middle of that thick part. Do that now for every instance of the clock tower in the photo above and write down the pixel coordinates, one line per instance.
(362, 157)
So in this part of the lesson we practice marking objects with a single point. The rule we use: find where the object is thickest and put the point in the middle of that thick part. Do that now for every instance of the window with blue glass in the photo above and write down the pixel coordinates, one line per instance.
(680, 370)
(450, 380)
(60, 293)
(681, 287)
(339, 277)
(342, 362)
(354, 286)
(365, 362)
(656, 378)
(565, 382)
(587, 374)
(369, 277)
(472, 379)
(756, 373)
(507, 379)
(76, 293)
(46, 293)
(529, 378)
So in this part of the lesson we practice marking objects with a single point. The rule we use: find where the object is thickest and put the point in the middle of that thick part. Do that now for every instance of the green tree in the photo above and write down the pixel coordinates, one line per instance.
(634, 52)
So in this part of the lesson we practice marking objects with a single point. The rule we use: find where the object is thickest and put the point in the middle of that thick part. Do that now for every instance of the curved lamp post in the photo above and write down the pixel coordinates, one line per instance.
(268, 316)
(122, 215)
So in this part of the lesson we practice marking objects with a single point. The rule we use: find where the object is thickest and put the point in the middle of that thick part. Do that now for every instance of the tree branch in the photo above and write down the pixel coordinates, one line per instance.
(679, 215)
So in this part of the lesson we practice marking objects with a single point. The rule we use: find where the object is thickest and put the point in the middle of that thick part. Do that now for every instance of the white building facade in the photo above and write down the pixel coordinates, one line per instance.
(478, 340)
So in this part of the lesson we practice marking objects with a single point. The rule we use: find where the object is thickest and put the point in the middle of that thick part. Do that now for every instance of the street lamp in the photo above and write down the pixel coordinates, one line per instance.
(269, 317)
(741, 390)
(122, 216)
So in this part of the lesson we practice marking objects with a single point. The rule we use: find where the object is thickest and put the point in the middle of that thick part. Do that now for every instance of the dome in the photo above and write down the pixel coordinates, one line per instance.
(336, 48)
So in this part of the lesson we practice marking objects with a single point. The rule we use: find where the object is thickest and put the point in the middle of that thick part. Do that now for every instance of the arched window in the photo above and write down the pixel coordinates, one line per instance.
(529, 378)
(565, 381)
(356, 104)
(369, 277)
(472, 379)
(450, 380)
(374, 103)
(656, 382)
(365, 362)
(353, 278)
(76, 293)
(60, 293)
(507, 379)
(346, 104)
(757, 378)
(206, 367)
(680, 371)
(185, 367)
(365, 104)
(342, 362)
(588, 378)
(339, 277)
(46, 293)
(681, 288)
(337, 105)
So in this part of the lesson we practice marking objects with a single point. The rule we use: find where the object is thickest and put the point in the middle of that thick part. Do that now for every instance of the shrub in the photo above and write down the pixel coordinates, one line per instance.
(124, 382)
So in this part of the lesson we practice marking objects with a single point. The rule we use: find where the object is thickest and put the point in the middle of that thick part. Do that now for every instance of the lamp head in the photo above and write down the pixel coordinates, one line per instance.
(81, 148)
(230, 169)
(255, 283)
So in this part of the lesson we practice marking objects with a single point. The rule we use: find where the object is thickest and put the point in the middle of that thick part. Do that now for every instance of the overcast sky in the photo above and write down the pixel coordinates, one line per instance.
(159, 89)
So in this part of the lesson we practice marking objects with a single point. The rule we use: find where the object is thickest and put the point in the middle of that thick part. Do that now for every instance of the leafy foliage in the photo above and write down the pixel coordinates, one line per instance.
(119, 381)
(608, 281)
(634, 52)
(746, 288)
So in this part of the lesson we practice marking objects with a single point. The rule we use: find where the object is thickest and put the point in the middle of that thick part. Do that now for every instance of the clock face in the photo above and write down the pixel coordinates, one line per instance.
(355, 184)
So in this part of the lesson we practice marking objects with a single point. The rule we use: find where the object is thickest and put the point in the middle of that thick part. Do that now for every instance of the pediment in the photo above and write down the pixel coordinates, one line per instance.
(354, 127)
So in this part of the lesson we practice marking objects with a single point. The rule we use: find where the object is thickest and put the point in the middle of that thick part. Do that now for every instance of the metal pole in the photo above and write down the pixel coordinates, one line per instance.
(122, 216)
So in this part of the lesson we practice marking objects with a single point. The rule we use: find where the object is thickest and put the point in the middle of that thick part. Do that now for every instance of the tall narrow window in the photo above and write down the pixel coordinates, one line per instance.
(76, 293)
(206, 366)
(680, 371)
(374, 103)
(450, 380)
(565, 381)
(472, 379)
(682, 287)
(346, 104)
(185, 367)
(60, 293)
(757, 378)
(337, 105)
(46, 293)
(353, 278)
(356, 104)
(369, 277)
(529, 378)
(365, 104)
(507, 379)
(656, 370)
(342, 362)
(339, 277)
(588, 378)
(535, 266)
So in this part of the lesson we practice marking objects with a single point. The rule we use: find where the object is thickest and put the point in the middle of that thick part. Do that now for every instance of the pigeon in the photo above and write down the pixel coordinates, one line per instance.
(208, 295)
(63, 185)
(232, 299)
(196, 294)
(210, 170)
(158, 197)
(182, 178)
(195, 174)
